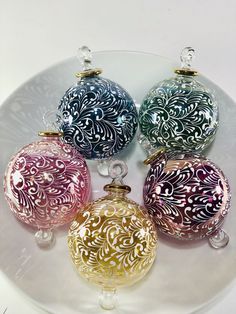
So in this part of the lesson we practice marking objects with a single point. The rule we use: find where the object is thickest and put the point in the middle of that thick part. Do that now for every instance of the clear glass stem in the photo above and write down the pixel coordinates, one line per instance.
(108, 298)
(44, 238)
(219, 239)
(146, 145)
(102, 167)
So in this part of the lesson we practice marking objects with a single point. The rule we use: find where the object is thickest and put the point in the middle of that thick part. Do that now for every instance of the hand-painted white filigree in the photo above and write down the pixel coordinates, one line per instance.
(112, 242)
(46, 183)
(180, 114)
(100, 117)
(188, 197)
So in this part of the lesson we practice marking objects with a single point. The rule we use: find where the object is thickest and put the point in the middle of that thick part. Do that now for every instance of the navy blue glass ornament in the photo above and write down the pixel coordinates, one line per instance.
(99, 117)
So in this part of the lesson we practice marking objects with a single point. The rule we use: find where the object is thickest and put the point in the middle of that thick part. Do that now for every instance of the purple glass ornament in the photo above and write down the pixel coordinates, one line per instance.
(46, 183)
(188, 196)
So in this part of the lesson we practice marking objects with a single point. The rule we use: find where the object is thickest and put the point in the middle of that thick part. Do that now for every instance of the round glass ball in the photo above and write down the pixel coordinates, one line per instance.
(112, 241)
(187, 195)
(99, 117)
(180, 114)
(46, 183)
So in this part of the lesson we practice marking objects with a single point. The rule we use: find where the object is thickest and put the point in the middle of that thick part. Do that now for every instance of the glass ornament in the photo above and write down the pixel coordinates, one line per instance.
(180, 113)
(112, 241)
(188, 196)
(45, 184)
(99, 116)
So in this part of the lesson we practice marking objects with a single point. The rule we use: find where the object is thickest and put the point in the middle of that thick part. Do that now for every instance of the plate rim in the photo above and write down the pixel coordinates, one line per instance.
(3, 104)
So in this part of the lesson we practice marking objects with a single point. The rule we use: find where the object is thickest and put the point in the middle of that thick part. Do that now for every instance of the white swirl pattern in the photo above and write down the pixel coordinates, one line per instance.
(46, 183)
(112, 242)
(188, 198)
(179, 113)
(100, 117)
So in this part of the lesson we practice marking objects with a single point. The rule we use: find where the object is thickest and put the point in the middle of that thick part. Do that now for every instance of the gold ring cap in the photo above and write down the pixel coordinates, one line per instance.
(155, 155)
(117, 188)
(88, 73)
(188, 72)
(50, 133)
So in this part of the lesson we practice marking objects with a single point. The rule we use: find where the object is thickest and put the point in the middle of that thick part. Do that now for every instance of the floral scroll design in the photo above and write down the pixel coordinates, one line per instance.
(112, 244)
(100, 118)
(179, 113)
(188, 199)
(46, 183)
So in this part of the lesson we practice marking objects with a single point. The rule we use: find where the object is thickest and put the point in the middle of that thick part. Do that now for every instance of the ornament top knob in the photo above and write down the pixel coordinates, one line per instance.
(51, 120)
(85, 58)
(187, 55)
(117, 171)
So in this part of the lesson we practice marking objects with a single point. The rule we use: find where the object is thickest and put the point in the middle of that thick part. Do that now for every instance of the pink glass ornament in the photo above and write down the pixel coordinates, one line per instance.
(188, 196)
(46, 183)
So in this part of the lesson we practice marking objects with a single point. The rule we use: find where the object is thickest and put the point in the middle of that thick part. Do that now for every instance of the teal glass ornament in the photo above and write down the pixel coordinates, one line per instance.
(180, 113)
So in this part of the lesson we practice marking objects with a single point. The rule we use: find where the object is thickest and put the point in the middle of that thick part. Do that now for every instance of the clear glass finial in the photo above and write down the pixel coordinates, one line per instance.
(85, 57)
(145, 144)
(45, 238)
(108, 299)
(219, 239)
(187, 55)
(52, 120)
(102, 167)
(117, 171)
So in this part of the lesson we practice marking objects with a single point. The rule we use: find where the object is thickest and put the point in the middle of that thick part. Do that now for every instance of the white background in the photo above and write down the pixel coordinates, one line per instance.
(36, 34)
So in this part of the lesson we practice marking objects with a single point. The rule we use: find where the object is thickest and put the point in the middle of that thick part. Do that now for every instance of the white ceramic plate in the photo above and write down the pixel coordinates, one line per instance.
(185, 276)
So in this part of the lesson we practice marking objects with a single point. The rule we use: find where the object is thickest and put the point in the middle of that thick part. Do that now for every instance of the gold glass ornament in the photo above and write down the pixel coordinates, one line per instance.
(113, 241)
